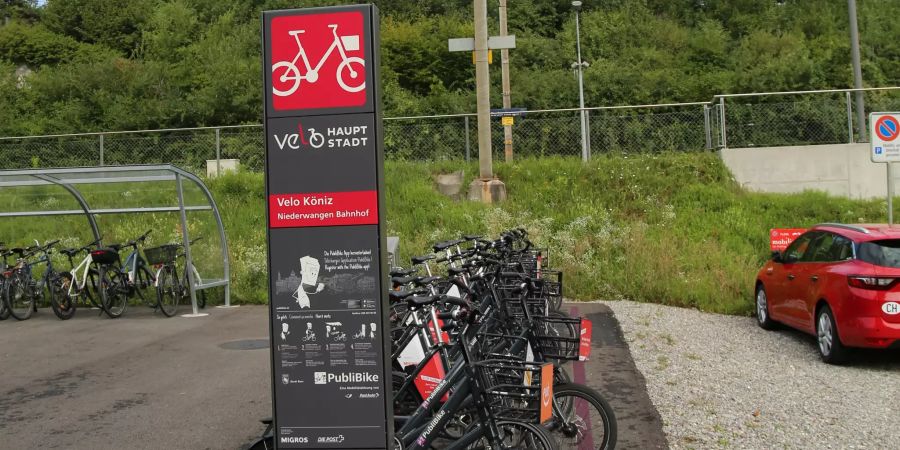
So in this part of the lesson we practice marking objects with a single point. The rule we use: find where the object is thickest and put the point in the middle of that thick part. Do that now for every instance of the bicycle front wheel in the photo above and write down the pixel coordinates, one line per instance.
(62, 303)
(519, 436)
(4, 310)
(113, 292)
(19, 298)
(582, 419)
(167, 291)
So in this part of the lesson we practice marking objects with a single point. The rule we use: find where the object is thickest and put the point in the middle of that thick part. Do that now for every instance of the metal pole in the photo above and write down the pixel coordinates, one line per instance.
(587, 131)
(468, 145)
(504, 69)
(584, 149)
(218, 154)
(722, 121)
(849, 118)
(483, 91)
(890, 195)
(706, 127)
(101, 149)
(857, 72)
(186, 240)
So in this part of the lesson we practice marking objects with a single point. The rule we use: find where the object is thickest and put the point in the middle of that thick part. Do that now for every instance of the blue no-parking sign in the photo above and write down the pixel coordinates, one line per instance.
(884, 130)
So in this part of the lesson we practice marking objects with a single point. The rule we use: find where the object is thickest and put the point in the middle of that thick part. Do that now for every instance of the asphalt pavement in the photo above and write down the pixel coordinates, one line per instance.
(147, 382)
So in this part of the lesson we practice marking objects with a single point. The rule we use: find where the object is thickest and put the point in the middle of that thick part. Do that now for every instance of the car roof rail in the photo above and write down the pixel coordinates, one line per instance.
(845, 226)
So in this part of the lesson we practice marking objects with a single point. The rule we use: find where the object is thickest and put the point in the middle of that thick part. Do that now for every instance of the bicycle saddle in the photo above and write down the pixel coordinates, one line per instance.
(394, 273)
(70, 251)
(416, 301)
(116, 247)
(416, 260)
(425, 281)
(403, 280)
(471, 237)
(18, 250)
(446, 244)
(402, 294)
(457, 270)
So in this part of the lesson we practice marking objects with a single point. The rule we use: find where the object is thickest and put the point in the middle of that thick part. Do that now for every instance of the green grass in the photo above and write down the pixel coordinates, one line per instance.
(671, 228)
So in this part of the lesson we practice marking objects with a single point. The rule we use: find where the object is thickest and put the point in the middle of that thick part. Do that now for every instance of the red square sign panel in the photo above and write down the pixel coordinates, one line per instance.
(318, 61)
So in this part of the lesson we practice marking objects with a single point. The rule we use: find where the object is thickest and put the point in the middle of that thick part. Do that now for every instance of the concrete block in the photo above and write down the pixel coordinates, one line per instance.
(227, 165)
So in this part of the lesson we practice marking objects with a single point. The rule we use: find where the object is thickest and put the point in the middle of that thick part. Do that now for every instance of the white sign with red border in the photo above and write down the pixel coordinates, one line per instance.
(884, 129)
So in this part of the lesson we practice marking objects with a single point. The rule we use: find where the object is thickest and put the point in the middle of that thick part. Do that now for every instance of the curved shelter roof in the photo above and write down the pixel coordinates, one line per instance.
(126, 190)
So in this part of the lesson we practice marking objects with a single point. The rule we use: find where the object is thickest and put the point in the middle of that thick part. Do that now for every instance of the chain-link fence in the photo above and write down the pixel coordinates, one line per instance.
(809, 118)
(735, 121)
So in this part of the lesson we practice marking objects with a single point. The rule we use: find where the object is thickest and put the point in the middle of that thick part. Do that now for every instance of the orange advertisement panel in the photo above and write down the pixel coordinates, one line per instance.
(780, 238)
(584, 345)
(546, 392)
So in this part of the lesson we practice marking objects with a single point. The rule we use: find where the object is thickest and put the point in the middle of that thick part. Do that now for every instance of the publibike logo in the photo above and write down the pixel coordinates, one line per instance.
(318, 61)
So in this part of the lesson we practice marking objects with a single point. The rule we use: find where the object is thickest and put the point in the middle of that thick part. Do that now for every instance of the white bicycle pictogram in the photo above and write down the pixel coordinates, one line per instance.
(342, 44)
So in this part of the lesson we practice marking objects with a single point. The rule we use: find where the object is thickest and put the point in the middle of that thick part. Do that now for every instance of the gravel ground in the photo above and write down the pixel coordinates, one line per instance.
(721, 381)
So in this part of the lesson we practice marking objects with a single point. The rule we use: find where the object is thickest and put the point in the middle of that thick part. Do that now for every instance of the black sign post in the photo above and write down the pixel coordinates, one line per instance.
(327, 254)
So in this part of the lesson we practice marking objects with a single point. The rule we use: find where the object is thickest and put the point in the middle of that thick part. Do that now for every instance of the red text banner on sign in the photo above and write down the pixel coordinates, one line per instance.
(322, 209)
(780, 238)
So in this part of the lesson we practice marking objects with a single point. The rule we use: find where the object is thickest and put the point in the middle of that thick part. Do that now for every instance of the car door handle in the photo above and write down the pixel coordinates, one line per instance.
(814, 278)
(791, 277)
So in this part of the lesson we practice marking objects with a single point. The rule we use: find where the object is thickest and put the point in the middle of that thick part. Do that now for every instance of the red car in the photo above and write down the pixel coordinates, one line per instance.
(840, 283)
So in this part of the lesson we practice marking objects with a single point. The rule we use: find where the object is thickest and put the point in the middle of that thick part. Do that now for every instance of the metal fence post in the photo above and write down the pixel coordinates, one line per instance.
(707, 128)
(218, 154)
(587, 132)
(849, 117)
(468, 149)
(101, 149)
(722, 122)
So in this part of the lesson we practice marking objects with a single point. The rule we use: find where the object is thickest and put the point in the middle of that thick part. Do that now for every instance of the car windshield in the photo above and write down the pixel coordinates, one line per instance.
(885, 253)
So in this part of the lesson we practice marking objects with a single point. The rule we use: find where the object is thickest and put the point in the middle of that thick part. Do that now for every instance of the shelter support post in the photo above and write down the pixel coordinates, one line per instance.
(188, 261)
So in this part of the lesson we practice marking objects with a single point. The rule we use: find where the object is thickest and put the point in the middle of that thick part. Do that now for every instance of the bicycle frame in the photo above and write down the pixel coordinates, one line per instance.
(78, 284)
(302, 53)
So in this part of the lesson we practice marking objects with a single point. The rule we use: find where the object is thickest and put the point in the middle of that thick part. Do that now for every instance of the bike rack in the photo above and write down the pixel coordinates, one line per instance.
(70, 178)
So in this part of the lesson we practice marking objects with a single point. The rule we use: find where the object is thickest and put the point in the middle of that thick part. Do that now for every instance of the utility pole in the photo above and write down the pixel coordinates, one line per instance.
(857, 72)
(483, 91)
(485, 188)
(576, 5)
(504, 69)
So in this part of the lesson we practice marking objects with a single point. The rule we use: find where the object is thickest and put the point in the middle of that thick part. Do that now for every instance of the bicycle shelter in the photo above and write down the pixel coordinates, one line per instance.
(115, 191)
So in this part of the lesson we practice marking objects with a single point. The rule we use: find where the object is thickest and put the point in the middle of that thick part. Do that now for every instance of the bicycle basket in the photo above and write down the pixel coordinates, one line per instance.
(351, 42)
(558, 337)
(512, 300)
(161, 255)
(512, 388)
(105, 256)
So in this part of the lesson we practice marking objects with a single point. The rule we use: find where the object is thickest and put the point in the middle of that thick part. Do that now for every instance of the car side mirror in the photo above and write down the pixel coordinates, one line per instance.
(777, 257)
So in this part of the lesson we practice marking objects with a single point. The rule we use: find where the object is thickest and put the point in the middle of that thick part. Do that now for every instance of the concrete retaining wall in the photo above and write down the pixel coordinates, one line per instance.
(843, 169)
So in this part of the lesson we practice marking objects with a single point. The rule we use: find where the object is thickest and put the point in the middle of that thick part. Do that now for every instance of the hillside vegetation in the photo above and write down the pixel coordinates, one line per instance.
(104, 65)
(670, 228)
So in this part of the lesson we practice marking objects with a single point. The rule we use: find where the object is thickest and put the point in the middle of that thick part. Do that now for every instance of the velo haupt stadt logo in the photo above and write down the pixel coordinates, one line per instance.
(318, 61)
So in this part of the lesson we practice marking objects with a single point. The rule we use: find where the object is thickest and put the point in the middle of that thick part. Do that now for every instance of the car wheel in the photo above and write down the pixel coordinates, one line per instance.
(830, 347)
(763, 319)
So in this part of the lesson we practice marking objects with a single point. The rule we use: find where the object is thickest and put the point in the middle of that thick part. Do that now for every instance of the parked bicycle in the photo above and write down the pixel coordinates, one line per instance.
(170, 287)
(80, 284)
(22, 291)
(117, 282)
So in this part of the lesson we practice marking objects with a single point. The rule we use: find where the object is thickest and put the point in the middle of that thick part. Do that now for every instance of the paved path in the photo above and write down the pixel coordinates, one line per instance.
(145, 382)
